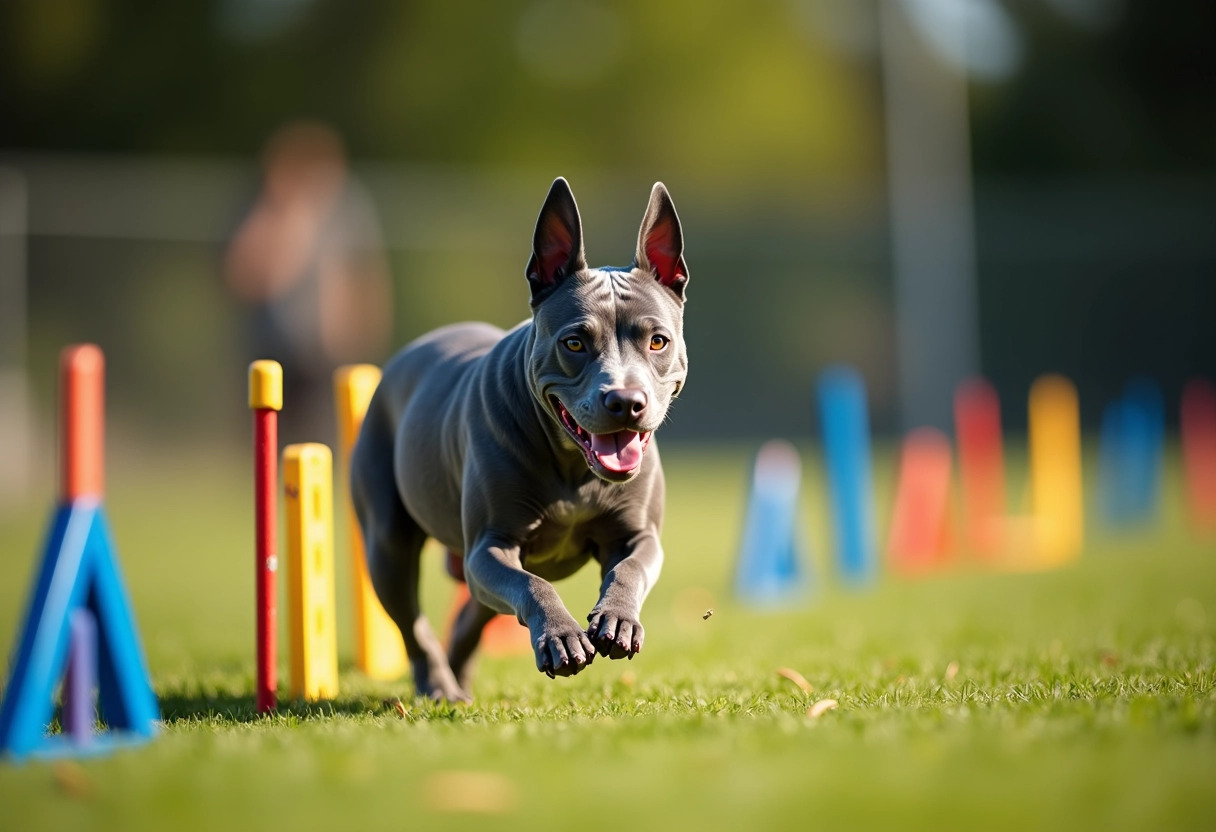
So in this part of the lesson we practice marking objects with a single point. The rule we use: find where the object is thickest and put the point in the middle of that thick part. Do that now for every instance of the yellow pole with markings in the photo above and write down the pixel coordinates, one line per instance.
(1055, 470)
(308, 483)
(379, 651)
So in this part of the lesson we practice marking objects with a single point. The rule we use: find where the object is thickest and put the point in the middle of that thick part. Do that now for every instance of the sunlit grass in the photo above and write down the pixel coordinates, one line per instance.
(1077, 698)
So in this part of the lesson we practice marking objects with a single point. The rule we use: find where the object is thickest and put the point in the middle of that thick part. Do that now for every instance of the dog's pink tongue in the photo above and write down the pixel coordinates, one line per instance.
(620, 451)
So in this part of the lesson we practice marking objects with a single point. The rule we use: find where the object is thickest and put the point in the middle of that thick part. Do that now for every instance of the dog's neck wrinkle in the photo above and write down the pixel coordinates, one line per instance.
(511, 394)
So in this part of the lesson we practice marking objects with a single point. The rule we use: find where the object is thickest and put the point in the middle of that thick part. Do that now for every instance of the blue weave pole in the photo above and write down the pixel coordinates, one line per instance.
(846, 443)
(770, 570)
(1131, 453)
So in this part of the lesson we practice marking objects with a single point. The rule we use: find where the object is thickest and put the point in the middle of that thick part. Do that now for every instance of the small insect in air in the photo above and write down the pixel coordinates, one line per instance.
(708, 613)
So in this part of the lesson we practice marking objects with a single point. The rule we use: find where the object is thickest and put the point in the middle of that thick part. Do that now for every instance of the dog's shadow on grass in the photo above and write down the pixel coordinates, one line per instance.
(225, 695)
(223, 707)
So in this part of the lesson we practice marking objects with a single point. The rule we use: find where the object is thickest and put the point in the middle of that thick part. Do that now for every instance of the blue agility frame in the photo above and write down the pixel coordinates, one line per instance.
(79, 569)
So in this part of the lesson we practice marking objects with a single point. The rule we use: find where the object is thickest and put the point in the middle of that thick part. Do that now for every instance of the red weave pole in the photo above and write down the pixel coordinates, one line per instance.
(1198, 424)
(981, 462)
(265, 485)
(266, 399)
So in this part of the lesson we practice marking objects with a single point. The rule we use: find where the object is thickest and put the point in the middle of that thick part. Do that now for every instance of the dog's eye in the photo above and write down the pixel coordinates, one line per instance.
(658, 342)
(573, 344)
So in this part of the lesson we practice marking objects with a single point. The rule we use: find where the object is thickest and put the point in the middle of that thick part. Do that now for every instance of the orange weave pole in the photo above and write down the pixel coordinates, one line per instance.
(82, 370)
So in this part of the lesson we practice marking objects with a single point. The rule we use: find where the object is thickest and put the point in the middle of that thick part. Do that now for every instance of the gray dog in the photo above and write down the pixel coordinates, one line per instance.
(530, 452)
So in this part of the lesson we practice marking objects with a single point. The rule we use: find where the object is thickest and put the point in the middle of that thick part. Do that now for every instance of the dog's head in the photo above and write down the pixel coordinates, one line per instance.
(607, 355)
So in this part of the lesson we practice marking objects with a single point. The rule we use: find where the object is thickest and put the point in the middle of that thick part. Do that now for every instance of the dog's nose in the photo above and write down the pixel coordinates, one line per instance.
(626, 404)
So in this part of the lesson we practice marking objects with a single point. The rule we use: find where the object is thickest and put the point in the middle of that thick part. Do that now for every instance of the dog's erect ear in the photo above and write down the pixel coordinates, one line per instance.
(661, 243)
(557, 245)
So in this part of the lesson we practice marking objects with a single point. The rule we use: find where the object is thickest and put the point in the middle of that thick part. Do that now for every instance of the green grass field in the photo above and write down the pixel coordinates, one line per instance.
(1081, 698)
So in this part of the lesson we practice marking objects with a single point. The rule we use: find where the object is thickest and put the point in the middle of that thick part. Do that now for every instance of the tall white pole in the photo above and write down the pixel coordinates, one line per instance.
(932, 227)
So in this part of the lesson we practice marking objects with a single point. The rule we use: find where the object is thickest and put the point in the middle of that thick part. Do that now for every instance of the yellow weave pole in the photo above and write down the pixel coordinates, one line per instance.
(379, 651)
(1055, 470)
(308, 483)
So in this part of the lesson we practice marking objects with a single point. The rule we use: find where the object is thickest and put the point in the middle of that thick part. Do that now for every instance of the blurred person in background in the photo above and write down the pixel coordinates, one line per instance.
(307, 258)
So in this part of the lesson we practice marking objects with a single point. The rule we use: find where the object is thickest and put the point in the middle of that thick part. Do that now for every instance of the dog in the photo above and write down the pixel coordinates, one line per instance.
(530, 452)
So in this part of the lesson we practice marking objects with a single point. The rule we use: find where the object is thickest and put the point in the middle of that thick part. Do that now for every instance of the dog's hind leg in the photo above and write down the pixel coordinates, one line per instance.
(393, 540)
(393, 561)
(466, 634)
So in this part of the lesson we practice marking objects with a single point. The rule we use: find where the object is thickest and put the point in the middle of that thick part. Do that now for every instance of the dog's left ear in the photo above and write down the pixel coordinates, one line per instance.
(661, 243)
(557, 244)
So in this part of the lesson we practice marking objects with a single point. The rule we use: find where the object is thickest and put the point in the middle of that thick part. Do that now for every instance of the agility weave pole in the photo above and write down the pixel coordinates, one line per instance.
(379, 650)
(311, 617)
(266, 400)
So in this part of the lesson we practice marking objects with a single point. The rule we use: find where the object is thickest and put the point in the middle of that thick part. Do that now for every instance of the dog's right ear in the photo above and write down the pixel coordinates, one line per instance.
(557, 245)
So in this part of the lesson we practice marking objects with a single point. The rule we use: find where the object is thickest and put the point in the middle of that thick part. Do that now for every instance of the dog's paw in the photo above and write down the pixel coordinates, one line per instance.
(437, 682)
(444, 693)
(562, 647)
(615, 635)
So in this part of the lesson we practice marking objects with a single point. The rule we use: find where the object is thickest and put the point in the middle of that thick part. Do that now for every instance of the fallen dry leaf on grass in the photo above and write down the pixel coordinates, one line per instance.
(795, 677)
(395, 705)
(71, 779)
(479, 792)
(820, 708)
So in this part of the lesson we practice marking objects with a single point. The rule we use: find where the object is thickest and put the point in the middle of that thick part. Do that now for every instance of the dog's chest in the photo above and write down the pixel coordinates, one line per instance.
(568, 530)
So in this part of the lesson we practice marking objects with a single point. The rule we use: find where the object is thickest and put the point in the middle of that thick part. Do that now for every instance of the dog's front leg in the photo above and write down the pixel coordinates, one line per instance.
(629, 574)
(497, 579)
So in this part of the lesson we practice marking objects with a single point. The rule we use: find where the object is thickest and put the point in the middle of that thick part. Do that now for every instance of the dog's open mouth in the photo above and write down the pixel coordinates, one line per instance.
(616, 455)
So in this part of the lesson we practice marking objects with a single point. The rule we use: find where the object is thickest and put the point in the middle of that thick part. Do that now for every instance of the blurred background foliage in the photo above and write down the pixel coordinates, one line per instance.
(1093, 150)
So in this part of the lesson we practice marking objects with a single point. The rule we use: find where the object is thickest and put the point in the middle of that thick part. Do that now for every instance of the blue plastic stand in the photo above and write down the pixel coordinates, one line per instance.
(846, 444)
(1132, 447)
(770, 572)
(79, 570)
